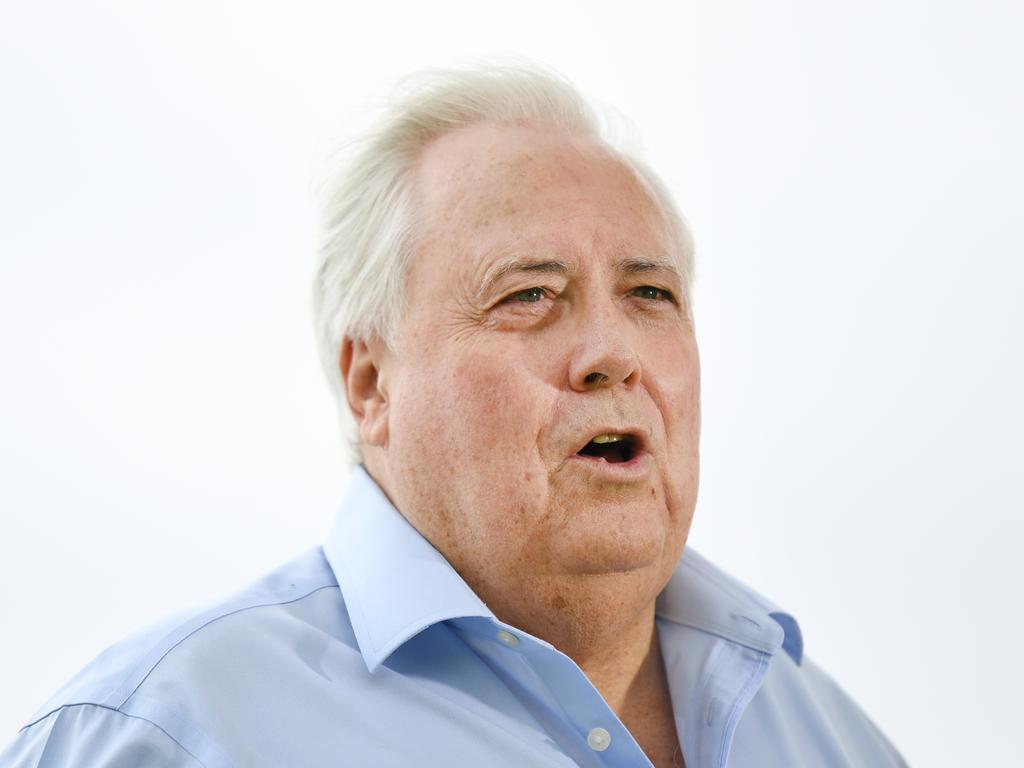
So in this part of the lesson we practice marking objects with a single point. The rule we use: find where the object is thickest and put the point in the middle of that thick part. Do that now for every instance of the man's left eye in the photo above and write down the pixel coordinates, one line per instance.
(655, 294)
(530, 295)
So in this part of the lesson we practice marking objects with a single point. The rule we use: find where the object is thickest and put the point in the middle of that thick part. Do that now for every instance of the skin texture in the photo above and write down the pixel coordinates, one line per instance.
(472, 422)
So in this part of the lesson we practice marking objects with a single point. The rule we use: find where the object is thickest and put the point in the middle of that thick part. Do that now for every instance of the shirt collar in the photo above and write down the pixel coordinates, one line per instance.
(396, 584)
(703, 596)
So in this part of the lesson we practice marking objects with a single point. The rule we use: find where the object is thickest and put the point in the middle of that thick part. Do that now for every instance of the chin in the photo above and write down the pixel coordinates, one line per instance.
(616, 552)
(612, 532)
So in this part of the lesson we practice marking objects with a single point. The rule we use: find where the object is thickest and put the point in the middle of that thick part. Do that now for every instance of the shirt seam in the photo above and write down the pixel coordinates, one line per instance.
(205, 624)
(117, 710)
(108, 695)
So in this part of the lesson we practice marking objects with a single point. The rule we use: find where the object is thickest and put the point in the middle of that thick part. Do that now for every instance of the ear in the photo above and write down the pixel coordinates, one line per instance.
(360, 363)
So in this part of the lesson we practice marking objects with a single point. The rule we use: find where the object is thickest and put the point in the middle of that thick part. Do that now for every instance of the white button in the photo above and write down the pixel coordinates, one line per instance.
(599, 739)
(508, 638)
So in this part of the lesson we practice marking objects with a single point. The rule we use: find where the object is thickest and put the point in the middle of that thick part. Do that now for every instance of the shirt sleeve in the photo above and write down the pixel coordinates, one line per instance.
(90, 736)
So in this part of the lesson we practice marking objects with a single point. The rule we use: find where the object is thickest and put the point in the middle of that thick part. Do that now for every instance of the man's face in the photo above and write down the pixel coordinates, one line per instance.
(544, 310)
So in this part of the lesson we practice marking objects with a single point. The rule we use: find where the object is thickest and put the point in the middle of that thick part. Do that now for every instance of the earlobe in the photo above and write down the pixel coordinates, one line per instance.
(367, 399)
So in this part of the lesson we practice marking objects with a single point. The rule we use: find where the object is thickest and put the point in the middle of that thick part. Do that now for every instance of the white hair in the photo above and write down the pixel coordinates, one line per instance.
(368, 227)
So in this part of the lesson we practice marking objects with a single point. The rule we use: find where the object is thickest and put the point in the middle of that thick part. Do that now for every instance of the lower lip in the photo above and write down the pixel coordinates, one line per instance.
(634, 469)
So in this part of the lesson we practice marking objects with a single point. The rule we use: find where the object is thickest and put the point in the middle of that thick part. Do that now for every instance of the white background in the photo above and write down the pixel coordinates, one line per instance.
(852, 172)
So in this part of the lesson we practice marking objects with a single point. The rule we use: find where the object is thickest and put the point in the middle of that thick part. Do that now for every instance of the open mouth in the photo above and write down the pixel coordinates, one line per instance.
(613, 448)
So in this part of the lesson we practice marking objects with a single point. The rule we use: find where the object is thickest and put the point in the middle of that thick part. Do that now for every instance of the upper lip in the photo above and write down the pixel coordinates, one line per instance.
(638, 435)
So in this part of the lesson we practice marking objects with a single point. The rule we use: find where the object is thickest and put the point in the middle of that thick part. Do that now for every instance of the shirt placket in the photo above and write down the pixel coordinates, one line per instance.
(558, 694)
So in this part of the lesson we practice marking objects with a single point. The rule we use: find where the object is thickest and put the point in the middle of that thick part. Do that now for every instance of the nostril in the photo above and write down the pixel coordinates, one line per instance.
(595, 378)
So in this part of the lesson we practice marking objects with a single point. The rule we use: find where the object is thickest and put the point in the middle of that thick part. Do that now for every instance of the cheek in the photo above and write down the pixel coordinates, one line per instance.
(496, 412)
(674, 382)
(672, 371)
(471, 432)
(471, 410)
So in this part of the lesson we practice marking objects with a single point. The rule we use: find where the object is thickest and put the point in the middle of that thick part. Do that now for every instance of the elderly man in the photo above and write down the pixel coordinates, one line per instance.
(504, 310)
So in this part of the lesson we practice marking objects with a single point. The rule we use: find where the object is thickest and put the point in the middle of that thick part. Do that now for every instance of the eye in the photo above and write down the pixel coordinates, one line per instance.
(529, 295)
(652, 293)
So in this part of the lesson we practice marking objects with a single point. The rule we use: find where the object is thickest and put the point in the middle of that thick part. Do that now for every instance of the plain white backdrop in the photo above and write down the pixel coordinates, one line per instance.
(852, 173)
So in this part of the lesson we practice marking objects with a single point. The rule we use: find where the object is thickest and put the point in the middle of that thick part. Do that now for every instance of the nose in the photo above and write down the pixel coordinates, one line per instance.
(604, 356)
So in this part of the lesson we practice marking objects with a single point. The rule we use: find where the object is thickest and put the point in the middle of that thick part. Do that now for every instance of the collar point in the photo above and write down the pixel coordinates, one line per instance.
(792, 638)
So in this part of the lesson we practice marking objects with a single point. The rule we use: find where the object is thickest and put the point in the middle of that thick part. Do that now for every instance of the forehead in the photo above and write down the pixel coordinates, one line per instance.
(489, 189)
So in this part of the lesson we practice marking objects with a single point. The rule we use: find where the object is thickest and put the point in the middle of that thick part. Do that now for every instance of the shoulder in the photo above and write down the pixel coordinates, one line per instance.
(819, 712)
(165, 684)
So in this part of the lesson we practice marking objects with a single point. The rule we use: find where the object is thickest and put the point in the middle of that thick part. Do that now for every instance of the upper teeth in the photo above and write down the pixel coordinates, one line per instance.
(601, 439)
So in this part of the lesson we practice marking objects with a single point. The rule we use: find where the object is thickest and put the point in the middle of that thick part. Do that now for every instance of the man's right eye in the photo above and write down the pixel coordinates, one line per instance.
(529, 295)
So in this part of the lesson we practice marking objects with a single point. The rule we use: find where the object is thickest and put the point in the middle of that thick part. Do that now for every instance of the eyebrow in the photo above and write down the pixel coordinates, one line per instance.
(641, 266)
(519, 264)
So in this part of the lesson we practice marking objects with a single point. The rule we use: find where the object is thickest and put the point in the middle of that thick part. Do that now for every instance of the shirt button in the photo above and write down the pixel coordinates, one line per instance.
(599, 739)
(508, 638)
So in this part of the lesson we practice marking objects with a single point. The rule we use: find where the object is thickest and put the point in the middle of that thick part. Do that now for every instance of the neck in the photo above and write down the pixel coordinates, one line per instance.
(628, 669)
(636, 688)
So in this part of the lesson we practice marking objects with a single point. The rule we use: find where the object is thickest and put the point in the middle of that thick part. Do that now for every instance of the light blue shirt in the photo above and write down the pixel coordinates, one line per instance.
(372, 651)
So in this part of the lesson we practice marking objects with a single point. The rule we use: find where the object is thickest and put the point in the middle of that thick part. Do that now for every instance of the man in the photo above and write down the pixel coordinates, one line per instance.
(504, 310)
